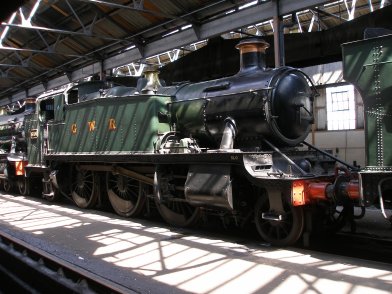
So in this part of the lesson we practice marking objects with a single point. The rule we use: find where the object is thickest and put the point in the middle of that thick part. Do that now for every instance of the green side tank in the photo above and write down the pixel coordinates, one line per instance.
(106, 125)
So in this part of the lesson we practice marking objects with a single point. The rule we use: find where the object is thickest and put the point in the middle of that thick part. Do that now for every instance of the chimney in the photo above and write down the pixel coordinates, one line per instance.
(252, 53)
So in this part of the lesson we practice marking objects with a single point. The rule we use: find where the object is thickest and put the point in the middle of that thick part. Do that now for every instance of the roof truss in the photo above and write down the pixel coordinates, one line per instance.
(171, 32)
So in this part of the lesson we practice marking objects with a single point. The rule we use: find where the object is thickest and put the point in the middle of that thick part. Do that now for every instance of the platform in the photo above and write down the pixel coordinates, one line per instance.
(149, 257)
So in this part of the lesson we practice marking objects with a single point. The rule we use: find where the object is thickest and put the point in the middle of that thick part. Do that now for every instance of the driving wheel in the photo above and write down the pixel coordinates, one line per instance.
(126, 195)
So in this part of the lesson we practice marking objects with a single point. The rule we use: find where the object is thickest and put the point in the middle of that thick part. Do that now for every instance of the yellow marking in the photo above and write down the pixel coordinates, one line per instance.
(74, 128)
(91, 126)
(112, 124)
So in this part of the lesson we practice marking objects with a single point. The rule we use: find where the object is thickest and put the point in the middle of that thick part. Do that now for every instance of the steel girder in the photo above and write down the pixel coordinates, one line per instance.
(263, 11)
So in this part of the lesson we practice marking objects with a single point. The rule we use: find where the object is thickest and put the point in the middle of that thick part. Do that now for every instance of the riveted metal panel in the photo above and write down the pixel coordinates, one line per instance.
(368, 65)
(34, 136)
(190, 115)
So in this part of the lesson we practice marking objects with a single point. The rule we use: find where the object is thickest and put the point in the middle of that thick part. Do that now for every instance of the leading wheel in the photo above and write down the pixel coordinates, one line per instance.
(336, 217)
(23, 185)
(170, 201)
(283, 232)
(85, 188)
(126, 195)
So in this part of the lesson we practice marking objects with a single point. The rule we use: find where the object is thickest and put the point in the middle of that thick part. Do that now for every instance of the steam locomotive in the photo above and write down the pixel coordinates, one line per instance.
(13, 149)
(231, 148)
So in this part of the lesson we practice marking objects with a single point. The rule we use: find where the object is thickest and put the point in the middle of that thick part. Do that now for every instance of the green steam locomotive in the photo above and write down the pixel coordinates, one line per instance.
(231, 148)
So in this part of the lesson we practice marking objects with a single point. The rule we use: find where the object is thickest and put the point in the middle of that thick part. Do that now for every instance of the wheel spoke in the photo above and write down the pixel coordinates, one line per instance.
(23, 185)
(265, 224)
(85, 188)
(7, 186)
(284, 229)
(280, 233)
(125, 194)
(336, 218)
(270, 231)
(174, 212)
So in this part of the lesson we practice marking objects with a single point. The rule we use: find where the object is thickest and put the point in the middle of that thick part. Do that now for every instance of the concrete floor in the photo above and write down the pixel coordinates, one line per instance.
(148, 257)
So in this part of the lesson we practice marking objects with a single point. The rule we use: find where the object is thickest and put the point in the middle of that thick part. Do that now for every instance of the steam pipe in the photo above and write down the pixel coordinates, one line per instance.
(229, 134)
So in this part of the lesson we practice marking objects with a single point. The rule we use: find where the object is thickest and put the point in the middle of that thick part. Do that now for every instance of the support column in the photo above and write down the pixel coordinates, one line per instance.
(102, 73)
(278, 37)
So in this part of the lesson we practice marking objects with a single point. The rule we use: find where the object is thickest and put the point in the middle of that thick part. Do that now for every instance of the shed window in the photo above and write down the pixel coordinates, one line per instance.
(340, 108)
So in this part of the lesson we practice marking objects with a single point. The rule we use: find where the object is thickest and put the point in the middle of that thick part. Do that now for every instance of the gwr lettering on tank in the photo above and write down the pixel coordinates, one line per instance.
(92, 126)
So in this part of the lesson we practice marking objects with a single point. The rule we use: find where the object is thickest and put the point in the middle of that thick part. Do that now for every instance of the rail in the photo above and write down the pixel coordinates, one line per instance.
(26, 269)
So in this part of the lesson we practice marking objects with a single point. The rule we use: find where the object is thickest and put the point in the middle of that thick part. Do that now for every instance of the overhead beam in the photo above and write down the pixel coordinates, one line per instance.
(133, 8)
(58, 31)
(76, 16)
(289, 6)
(319, 20)
(224, 24)
(321, 11)
(140, 50)
(136, 36)
(26, 65)
(39, 51)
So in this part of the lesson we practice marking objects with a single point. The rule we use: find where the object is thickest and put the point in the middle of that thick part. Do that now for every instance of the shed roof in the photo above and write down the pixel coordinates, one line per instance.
(47, 43)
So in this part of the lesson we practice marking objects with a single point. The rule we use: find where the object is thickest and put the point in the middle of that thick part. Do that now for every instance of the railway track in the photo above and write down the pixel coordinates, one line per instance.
(25, 269)
(364, 246)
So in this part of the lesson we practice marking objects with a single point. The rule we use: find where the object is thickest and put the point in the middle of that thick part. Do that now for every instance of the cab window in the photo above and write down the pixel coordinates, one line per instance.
(47, 109)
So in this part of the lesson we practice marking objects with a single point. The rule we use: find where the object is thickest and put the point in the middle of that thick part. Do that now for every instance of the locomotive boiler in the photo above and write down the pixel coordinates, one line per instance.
(232, 148)
(257, 102)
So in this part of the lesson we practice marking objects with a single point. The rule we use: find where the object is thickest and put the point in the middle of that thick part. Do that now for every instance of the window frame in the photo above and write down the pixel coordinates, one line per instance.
(340, 116)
